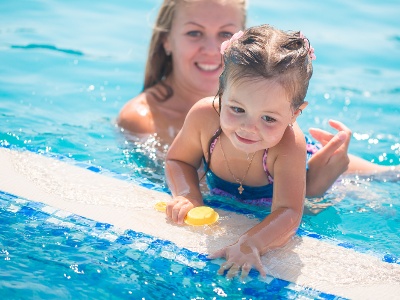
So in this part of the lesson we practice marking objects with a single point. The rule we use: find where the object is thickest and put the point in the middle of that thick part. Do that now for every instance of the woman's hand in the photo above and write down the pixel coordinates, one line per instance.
(242, 255)
(326, 165)
(178, 208)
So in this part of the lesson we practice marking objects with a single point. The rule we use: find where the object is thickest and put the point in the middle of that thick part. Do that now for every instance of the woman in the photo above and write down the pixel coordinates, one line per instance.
(183, 66)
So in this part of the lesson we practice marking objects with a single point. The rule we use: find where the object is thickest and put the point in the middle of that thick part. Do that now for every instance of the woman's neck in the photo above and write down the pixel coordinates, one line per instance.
(184, 96)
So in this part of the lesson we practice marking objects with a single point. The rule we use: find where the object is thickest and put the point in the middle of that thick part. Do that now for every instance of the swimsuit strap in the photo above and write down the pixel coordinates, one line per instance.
(212, 146)
(270, 179)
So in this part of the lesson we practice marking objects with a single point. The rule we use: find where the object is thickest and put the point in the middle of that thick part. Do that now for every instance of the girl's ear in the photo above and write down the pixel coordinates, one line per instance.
(299, 111)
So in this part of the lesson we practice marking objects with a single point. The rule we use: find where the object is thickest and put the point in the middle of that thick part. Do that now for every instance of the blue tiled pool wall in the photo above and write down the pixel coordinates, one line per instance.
(217, 202)
(89, 255)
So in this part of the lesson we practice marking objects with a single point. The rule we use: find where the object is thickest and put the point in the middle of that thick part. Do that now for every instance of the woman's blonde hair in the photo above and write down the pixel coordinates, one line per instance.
(159, 64)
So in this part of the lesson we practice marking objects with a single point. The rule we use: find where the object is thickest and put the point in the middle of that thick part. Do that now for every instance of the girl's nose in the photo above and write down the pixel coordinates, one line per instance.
(249, 125)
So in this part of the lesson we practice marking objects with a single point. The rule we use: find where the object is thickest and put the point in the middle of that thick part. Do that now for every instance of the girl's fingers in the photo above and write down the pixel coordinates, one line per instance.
(183, 212)
(170, 206)
(175, 213)
(245, 270)
(233, 271)
(260, 268)
(225, 266)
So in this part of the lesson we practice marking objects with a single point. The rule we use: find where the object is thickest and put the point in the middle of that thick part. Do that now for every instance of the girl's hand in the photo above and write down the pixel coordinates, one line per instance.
(240, 255)
(178, 208)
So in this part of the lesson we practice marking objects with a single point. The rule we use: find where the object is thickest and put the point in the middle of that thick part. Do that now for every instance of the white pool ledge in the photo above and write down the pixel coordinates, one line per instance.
(305, 261)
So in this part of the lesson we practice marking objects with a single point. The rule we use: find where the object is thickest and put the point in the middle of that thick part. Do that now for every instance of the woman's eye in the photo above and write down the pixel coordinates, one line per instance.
(237, 109)
(268, 119)
(194, 33)
(226, 35)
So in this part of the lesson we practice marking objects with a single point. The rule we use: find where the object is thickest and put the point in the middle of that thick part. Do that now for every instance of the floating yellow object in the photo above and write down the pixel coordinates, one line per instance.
(201, 215)
(161, 206)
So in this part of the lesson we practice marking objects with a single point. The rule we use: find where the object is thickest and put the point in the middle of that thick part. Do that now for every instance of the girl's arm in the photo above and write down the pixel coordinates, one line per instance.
(183, 159)
(183, 182)
(286, 212)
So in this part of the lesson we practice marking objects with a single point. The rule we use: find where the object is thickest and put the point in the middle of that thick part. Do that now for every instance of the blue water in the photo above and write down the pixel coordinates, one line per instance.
(67, 68)
(44, 259)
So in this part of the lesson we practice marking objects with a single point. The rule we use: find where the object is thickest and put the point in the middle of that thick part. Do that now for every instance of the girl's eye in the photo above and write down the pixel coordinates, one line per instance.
(237, 109)
(225, 35)
(194, 33)
(268, 119)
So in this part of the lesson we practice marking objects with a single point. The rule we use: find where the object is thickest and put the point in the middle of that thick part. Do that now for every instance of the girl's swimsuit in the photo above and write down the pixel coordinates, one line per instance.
(259, 195)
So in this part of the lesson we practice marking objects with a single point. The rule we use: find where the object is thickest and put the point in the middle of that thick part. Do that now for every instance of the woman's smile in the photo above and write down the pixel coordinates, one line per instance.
(208, 68)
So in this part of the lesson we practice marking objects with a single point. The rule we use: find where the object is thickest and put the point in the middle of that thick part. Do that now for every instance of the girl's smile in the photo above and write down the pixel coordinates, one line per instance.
(245, 140)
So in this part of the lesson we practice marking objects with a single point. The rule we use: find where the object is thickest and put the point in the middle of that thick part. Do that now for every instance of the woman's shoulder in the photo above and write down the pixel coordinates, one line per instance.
(136, 115)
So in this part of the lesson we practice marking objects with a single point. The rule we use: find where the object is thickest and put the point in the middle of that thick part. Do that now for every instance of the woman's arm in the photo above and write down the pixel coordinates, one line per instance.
(325, 166)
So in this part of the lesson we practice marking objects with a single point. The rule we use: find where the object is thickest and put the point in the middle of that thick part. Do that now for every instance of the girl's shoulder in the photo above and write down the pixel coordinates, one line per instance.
(205, 110)
(206, 104)
(203, 118)
(292, 142)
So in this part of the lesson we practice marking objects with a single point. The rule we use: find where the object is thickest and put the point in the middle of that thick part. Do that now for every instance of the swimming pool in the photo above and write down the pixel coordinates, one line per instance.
(64, 80)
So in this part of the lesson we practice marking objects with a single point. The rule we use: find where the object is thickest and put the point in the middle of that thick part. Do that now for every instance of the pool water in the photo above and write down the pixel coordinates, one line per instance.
(53, 254)
(67, 69)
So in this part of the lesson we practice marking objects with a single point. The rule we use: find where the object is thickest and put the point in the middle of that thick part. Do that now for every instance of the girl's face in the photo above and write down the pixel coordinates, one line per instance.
(198, 29)
(255, 114)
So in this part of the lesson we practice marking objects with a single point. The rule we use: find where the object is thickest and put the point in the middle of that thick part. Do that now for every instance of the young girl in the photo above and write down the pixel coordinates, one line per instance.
(183, 66)
(253, 147)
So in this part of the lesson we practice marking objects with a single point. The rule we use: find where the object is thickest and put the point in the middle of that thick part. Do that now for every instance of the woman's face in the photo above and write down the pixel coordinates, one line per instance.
(194, 41)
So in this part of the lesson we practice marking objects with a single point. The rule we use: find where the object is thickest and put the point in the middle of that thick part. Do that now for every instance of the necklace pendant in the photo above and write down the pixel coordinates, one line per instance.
(240, 189)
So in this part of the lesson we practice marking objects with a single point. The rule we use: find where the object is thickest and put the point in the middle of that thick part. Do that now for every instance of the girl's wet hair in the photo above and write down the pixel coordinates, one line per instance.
(261, 53)
(264, 52)
(159, 64)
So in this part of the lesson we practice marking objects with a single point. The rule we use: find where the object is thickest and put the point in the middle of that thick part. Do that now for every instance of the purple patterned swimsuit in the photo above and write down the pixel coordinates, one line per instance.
(260, 195)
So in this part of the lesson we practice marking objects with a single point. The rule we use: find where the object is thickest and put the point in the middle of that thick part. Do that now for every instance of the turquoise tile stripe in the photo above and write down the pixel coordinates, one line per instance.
(165, 253)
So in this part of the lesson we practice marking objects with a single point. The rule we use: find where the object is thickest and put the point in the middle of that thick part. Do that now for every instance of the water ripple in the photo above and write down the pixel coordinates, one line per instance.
(48, 47)
(395, 38)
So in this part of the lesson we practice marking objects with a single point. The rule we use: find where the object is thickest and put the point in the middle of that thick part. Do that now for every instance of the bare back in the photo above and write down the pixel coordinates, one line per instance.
(146, 114)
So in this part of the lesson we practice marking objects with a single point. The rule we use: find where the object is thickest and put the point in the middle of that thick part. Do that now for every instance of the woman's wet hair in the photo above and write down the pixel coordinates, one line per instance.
(159, 64)
(264, 52)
